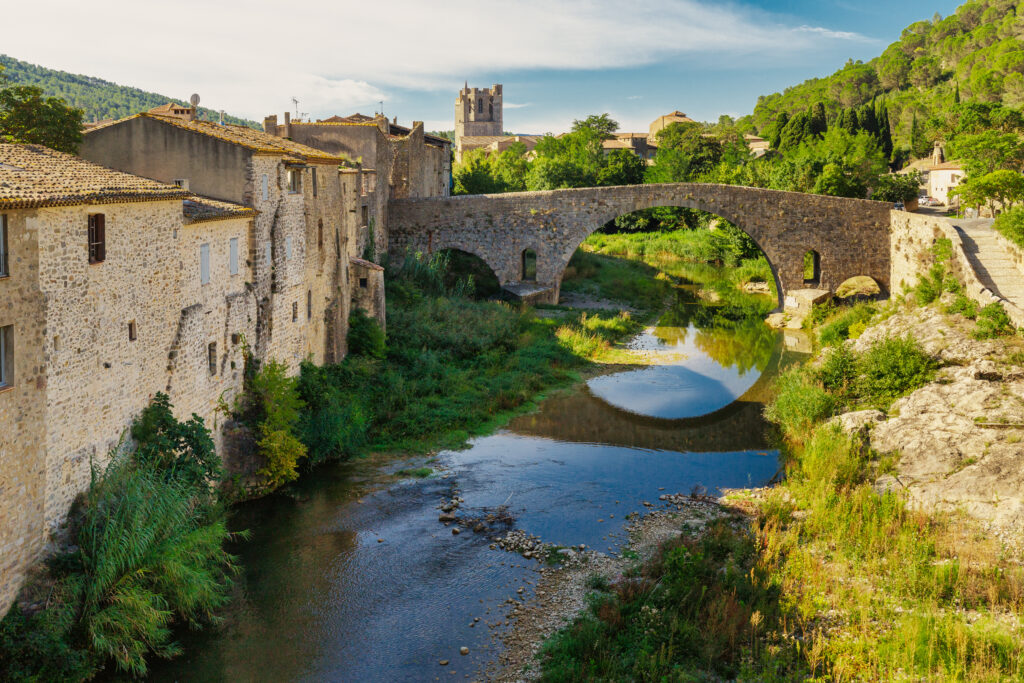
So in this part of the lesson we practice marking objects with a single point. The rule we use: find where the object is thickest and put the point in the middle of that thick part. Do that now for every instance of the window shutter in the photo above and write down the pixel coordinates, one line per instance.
(233, 258)
(265, 182)
(268, 253)
(101, 237)
(204, 263)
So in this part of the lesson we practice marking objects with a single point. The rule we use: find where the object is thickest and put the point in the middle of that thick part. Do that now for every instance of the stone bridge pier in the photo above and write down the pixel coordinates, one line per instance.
(846, 237)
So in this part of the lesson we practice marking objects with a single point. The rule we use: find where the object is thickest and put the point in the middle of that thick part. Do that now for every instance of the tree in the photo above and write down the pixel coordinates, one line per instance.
(623, 168)
(999, 189)
(28, 117)
(684, 153)
(897, 187)
(602, 124)
(988, 151)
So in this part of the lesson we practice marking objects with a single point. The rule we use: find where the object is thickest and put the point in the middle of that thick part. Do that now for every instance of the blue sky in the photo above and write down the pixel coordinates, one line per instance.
(558, 59)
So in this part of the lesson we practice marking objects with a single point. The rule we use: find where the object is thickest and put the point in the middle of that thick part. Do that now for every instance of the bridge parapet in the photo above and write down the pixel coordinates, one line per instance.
(849, 236)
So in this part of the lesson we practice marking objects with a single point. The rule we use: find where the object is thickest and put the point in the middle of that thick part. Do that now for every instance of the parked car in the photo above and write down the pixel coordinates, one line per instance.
(900, 206)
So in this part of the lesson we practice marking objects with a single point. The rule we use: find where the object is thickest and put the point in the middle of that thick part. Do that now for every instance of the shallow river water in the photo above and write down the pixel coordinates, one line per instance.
(346, 578)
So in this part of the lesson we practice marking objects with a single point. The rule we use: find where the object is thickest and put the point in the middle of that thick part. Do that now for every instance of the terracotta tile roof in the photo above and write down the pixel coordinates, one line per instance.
(33, 176)
(354, 118)
(199, 209)
(616, 144)
(250, 138)
(364, 263)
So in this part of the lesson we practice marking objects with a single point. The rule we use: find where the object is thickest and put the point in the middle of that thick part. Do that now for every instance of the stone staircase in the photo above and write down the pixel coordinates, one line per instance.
(993, 265)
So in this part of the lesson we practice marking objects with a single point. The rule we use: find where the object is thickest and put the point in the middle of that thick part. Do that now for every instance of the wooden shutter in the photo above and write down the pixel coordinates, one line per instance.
(101, 237)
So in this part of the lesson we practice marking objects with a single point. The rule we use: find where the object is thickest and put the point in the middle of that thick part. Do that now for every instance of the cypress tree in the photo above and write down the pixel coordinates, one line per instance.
(956, 94)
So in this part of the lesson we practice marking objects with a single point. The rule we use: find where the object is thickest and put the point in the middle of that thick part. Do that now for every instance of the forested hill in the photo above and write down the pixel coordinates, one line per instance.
(975, 54)
(98, 98)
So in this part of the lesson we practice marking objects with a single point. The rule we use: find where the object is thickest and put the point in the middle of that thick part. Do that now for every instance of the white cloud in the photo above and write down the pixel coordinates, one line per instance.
(513, 105)
(251, 57)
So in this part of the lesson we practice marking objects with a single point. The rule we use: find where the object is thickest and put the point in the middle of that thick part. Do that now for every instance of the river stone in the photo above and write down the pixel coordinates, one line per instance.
(456, 531)
(447, 517)
(463, 650)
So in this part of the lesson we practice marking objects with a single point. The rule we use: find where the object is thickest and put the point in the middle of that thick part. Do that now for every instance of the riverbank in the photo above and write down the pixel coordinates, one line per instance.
(891, 551)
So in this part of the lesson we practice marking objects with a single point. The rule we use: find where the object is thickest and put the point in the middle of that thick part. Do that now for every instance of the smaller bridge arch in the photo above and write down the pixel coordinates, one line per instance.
(851, 236)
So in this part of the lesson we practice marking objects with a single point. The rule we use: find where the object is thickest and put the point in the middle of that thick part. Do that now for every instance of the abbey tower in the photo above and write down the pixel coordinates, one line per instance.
(478, 112)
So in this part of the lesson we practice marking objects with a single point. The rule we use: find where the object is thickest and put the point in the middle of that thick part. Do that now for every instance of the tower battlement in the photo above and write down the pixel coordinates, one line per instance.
(478, 111)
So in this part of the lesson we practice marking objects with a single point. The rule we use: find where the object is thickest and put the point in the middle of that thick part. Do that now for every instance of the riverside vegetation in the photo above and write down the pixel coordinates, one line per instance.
(826, 576)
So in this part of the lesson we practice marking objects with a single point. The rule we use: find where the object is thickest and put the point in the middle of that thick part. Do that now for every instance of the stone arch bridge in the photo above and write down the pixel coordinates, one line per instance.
(850, 237)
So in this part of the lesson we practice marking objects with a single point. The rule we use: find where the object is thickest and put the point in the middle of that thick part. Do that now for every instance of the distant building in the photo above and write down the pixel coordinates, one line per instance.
(663, 122)
(938, 176)
(479, 122)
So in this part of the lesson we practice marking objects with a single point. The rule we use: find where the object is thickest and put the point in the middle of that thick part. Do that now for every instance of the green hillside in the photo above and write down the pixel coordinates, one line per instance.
(976, 54)
(98, 98)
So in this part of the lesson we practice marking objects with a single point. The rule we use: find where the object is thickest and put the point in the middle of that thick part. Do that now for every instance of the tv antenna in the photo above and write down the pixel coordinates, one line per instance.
(295, 101)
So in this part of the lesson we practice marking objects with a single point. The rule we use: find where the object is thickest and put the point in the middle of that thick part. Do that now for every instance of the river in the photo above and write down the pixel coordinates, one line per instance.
(349, 576)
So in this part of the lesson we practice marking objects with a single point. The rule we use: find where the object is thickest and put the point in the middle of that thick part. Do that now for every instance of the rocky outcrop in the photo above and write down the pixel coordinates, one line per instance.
(960, 438)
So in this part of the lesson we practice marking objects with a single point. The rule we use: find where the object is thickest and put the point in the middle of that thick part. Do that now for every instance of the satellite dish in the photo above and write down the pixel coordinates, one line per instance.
(194, 100)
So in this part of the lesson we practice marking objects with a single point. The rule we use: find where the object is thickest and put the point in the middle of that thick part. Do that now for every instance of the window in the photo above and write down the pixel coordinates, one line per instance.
(320, 234)
(233, 256)
(235, 338)
(211, 357)
(133, 332)
(363, 283)
(480, 105)
(337, 243)
(313, 172)
(4, 272)
(97, 238)
(366, 216)
(6, 356)
(204, 264)
(287, 247)
(181, 182)
(294, 180)
(295, 311)
(309, 305)
(812, 268)
(490, 109)
(265, 186)
(529, 265)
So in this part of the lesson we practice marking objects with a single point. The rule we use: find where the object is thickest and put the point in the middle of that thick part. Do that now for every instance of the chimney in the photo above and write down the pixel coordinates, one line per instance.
(192, 113)
(221, 122)
(287, 124)
(270, 124)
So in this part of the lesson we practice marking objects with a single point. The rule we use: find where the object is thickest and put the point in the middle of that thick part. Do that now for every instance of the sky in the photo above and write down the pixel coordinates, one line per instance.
(558, 60)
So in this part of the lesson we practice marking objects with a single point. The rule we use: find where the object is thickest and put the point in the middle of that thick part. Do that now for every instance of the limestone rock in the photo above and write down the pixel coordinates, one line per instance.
(859, 422)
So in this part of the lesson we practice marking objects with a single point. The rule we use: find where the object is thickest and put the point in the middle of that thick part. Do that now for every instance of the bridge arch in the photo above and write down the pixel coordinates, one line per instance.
(851, 236)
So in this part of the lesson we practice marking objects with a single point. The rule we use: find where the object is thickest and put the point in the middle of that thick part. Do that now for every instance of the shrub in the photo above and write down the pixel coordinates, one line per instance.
(963, 306)
(893, 367)
(799, 403)
(277, 407)
(838, 372)
(992, 322)
(837, 329)
(365, 338)
(1010, 225)
(930, 285)
(179, 449)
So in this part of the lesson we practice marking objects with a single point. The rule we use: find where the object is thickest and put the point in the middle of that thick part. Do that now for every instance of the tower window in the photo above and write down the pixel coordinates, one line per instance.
(4, 272)
(480, 104)
(320, 234)
(211, 357)
(309, 305)
(133, 332)
(295, 311)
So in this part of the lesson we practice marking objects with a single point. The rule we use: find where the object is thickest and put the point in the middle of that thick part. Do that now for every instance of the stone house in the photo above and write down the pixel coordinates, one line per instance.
(298, 276)
(404, 162)
(89, 303)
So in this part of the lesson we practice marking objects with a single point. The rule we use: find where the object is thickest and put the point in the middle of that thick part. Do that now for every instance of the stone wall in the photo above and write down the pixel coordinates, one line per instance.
(913, 236)
(22, 409)
(851, 236)
(368, 289)
(221, 312)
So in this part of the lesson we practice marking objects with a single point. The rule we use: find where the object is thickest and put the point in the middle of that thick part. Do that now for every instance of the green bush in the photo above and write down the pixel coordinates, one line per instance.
(179, 449)
(837, 329)
(1010, 225)
(891, 368)
(276, 408)
(964, 306)
(930, 286)
(838, 372)
(992, 322)
(365, 338)
(799, 403)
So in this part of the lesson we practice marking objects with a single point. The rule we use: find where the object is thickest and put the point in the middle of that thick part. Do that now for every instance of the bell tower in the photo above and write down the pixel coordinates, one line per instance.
(478, 111)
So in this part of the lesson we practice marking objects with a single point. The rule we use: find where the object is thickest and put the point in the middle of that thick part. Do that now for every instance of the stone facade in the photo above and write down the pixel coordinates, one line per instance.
(368, 289)
(850, 236)
(478, 112)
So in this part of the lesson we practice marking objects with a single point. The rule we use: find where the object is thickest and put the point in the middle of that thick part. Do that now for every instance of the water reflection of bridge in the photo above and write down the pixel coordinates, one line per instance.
(582, 417)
